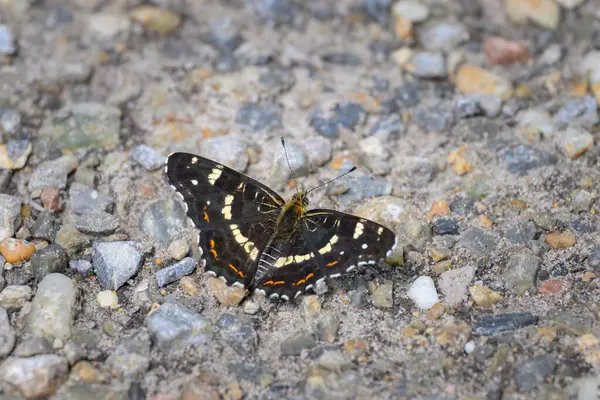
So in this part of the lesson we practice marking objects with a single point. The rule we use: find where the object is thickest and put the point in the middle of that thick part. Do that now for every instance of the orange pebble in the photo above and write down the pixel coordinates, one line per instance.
(15, 250)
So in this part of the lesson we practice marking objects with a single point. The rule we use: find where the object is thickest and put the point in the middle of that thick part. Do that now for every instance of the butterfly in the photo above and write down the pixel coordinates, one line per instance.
(253, 238)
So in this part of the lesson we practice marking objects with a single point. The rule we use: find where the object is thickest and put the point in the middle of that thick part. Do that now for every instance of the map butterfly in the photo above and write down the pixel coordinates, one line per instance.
(252, 238)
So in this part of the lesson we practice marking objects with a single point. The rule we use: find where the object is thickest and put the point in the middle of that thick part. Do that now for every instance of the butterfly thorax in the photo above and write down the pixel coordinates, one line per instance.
(292, 211)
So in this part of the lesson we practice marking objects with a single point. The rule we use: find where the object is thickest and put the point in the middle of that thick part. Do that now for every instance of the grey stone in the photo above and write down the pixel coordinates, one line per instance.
(582, 225)
(71, 239)
(579, 111)
(14, 297)
(148, 157)
(348, 115)
(587, 388)
(388, 126)
(443, 36)
(467, 106)
(16, 153)
(434, 119)
(492, 324)
(83, 267)
(84, 200)
(383, 296)
(57, 16)
(327, 327)
(175, 271)
(10, 121)
(174, 327)
(115, 262)
(378, 10)
(7, 334)
(95, 222)
(50, 259)
(582, 201)
(490, 104)
(274, 11)
(33, 346)
(521, 232)
(531, 373)
(356, 188)
(594, 258)
(238, 333)
(294, 345)
(427, 64)
(407, 95)
(544, 220)
(318, 150)
(462, 204)
(445, 226)
(259, 117)
(7, 41)
(333, 360)
(10, 215)
(225, 35)
(454, 284)
(520, 272)
(46, 226)
(341, 58)
(228, 149)
(52, 308)
(34, 377)
(277, 80)
(478, 242)
(53, 173)
(131, 358)
(163, 220)
(521, 159)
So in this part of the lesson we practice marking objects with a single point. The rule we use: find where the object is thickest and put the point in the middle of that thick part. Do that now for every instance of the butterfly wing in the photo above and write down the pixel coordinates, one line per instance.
(233, 212)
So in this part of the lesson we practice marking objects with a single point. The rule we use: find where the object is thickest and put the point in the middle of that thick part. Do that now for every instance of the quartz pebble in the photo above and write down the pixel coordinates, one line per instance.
(422, 291)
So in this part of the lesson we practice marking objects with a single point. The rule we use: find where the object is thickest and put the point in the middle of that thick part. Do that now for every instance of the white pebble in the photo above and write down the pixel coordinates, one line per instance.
(108, 299)
(423, 293)
(469, 347)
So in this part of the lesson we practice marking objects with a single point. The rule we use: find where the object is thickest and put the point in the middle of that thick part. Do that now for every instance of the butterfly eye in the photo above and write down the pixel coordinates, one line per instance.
(305, 201)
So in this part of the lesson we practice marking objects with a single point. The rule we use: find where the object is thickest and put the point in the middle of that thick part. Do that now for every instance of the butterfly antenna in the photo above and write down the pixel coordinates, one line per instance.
(288, 161)
(334, 179)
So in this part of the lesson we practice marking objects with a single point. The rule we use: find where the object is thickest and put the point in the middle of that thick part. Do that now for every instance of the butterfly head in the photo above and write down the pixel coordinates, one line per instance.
(301, 198)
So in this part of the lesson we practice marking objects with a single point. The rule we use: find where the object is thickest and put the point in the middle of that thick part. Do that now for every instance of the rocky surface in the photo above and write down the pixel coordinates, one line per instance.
(476, 128)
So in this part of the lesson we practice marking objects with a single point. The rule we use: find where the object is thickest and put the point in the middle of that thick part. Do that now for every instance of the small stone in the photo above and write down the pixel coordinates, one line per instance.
(174, 272)
(412, 10)
(582, 201)
(178, 249)
(175, 327)
(435, 119)
(471, 79)
(440, 253)
(484, 296)
(333, 360)
(33, 346)
(545, 13)
(453, 284)
(234, 392)
(131, 357)
(560, 240)
(96, 222)
(238, 333)
(163, 220)
(502, 52)
(259, 117)
(148, 157)
(435, 312)
(521, 159)
(468, 106)
(570, 4)
(115, 263)
(85, 200)
(52, 308)
(348, 115)
(340, 58)
(327, 328)
(383, 297)
(578, 113)
(445, 226)
(493, 324)
(594, 258)
(534, 123)
(551, 287)
(105, 26)
(14, 154)
(69, 238)
(311, 306)
(294, 345)
(521, 232)
(426, 64)
(14, 297)
(16, 250)
(275, 12)
(490, 104)
(531, 373)
(228, 149)
(520, 272)
(108, 299)
(318, 150)
(187, 283)
(443, 36)
(7, 334)
(280, 173)
(156, 20)
(10, 215)
(574, 142)
(388, 126)
(422, 291)
(478, 242)
(34, 377)
(227, 295)
(7, 41)
(251, 307)
(53, 173)
(52, 258)
(50, 198)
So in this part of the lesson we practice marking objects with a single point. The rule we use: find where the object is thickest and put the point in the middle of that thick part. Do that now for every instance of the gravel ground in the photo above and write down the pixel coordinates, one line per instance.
(474, 123)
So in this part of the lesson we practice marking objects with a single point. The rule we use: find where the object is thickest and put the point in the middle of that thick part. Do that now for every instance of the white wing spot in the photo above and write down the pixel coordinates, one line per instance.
(379, 231)
(214, 175)
(194, 160)
(364, 246)
(274, 296)
(308, 287)
(228, 200)
(260, 291)
(238, 284)
(194, 182)
(284, 297)
(335, 275)
(358, 230)
(350, 268)
(208, 202)
(298, 293)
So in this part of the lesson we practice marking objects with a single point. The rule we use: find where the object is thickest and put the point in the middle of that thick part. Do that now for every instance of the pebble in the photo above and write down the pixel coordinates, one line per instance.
(238, 333)
(10, 215)
(348, 115)
(594, 258)
(108, 299)
(357, 188)
(551, 287)
(101, 128)
(545, 13)
(383, 297)
(521, 159)
(178, 249)
(259, 117)
(148, 157)
(115, 262)
(84, 200)
(53, 173)
(574, 142)
(96, 222)
(333, 360)
(318, 150)
(327, 328)
(578, 112)
(500, 51)
(453, 284)
(50, 198)
(484, 296)
(34, 377)
(105, 26)
(131, 357)
(52, 308)
(475, 80)
(278, 11)
(387, 127)
(14, 297)
(33, 346)
(176, 271)
(14, 154)
(520, 272)
(433, 119)
(280, 173)
(492, 324)
(560, 240)
(531, 373)
(69, 238)
(411, 10)
(163, 220)
(468, 106)
(187, 283)
(534, 123)
(227, 295)
(174, 327)
(341, 58)
(7, 41)
(427, 64)
(52, 258)
(293, 346)
(570, 4)
(422, 291)
(251, 307)
(445, 226)
(225, 35)
(311, 306)
(16, 250)
(582, 200)
(521, 232)
(7, 334)
(443, 36)
(227, 149)
(406, 95)
(478, 242)
(157, 20)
